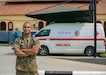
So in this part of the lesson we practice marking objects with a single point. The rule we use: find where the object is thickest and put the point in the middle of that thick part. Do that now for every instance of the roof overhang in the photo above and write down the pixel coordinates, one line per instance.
(62, 15)
(72, 1)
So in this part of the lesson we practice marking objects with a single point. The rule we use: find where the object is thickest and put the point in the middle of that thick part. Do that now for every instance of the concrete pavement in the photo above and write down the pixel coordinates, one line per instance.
(74, 64)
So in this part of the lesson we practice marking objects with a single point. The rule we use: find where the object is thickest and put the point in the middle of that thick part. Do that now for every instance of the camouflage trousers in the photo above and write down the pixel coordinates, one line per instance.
(26, 73)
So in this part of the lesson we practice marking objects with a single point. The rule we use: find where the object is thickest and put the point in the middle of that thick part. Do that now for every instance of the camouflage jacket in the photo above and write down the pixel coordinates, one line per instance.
(27, 63)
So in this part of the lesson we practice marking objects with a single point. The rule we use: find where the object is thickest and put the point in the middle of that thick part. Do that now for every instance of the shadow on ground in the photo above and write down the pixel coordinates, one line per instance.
(101, 61)
(12, 53)
(78, 58)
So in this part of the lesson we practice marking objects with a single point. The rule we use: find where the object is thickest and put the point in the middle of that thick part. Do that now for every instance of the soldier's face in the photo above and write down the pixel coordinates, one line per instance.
(27, 28)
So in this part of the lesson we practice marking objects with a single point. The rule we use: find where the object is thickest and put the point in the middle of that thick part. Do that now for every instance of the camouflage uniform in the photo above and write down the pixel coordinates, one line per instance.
(26, 65)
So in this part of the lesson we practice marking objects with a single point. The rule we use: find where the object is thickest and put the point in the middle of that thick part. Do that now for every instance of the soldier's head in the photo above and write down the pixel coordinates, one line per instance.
(27, 27)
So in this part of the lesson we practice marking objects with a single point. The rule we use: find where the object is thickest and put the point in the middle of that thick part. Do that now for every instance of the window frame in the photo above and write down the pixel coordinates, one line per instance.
(41, 33)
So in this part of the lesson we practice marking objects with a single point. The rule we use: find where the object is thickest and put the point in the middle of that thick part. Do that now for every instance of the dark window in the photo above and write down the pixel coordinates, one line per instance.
(47, 23)
(40, 25)
(105, 28)
(42, 33)
(10, 26)
(98, 22)
(2, 26)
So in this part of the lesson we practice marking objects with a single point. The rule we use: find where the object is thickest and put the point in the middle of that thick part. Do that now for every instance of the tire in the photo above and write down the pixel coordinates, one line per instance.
(44, 50)
(89, 51)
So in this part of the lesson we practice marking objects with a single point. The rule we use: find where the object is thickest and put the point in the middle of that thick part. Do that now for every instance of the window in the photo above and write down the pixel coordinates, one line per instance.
(40, 25)
(10, 26)
(3, 26)
(42, 33)
(0, 26)
(98, 22)
(47, 23)
(105, 28)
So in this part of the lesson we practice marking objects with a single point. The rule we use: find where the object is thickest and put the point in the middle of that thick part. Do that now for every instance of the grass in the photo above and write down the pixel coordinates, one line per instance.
(103, 54)
(5, 44)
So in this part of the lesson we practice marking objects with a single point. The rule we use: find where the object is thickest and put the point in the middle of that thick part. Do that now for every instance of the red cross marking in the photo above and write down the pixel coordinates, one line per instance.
(97, 33)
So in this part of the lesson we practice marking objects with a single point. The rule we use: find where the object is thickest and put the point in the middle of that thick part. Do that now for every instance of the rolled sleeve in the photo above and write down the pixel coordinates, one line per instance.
(37, 43)
(16, 43)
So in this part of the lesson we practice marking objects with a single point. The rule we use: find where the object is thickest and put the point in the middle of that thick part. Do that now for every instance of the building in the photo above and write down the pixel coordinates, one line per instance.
(12, 12)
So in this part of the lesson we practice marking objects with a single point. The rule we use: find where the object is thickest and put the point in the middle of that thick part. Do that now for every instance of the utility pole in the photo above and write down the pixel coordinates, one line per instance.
(93, 20)
(95, 27)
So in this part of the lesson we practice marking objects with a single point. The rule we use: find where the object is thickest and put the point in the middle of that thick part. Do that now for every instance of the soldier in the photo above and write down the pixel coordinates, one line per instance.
(26, 48)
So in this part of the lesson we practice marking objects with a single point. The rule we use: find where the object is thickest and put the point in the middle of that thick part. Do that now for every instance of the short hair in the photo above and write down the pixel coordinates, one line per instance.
(27, 23)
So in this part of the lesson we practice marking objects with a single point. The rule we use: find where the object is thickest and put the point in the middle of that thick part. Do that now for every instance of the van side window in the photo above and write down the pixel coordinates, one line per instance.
(43, 33)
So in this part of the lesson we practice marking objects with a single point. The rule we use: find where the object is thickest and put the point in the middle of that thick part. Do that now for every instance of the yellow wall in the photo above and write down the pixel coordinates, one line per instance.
(101, 18)
(18, 21)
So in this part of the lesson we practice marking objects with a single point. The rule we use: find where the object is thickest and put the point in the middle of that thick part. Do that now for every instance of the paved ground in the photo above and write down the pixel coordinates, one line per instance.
(52, 62)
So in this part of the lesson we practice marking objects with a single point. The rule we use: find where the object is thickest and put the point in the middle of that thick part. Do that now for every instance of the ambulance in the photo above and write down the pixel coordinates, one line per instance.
(70, 38)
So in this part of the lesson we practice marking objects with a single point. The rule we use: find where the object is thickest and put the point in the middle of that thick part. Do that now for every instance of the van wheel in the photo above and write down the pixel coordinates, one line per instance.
(89, 51)
(44, 50)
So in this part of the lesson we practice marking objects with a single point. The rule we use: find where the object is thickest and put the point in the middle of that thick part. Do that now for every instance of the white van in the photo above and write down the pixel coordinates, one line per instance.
(70, 38)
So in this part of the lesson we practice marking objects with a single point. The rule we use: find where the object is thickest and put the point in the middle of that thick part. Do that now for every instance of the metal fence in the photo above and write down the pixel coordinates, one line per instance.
(7, 36)
(10, 36)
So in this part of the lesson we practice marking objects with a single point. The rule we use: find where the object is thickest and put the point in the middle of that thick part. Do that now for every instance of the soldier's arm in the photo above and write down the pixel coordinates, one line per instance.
(16, 48)
(35, 48)
(32, 51)
(20, 53)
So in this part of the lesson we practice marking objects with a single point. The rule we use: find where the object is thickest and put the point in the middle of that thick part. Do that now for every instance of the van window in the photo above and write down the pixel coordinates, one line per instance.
(45, 32)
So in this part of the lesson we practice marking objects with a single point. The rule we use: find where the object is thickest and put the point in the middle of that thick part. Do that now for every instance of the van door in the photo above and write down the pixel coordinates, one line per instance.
(43, 36)
(60, 40)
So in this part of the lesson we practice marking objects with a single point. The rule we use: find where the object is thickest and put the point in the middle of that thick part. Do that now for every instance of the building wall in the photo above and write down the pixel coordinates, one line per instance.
(101, 18)
(18, 22)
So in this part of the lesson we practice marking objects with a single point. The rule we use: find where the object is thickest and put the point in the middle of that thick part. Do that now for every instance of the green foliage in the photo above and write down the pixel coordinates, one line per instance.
(103, 54)
(5, 44)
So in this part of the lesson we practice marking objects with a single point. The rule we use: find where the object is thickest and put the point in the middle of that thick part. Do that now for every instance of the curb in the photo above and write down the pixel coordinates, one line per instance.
(43, 72)
(58, 73)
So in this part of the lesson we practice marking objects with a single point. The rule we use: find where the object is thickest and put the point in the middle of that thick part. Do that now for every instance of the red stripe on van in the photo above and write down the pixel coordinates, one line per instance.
(42, 38)
(54, 38)
(75, 38)
(71, 38)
